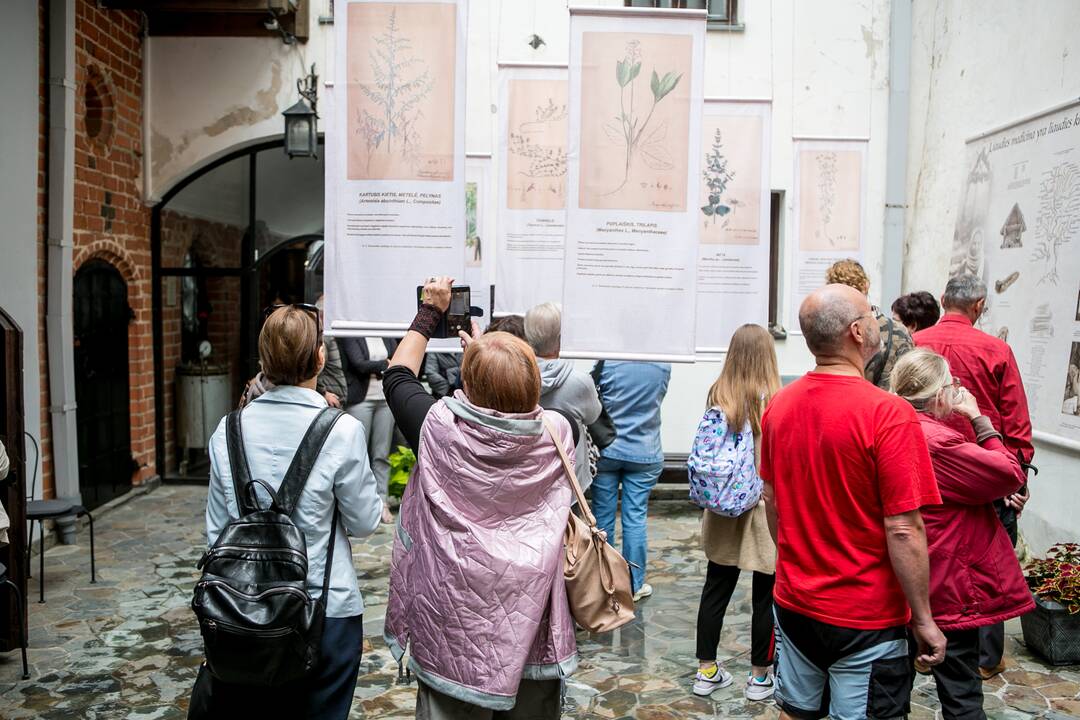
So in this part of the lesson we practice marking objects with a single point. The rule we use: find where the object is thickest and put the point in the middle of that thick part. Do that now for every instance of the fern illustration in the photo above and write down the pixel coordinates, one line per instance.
(631, 129)
(717, 177)
(402, 82)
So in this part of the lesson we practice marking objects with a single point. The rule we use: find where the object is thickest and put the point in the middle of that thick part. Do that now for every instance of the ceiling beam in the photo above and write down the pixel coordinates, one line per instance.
(214, 25)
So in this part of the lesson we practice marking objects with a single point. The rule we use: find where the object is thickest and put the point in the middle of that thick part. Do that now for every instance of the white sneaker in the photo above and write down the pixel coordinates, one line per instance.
(643, 592)
(760, 689)
(704, 685)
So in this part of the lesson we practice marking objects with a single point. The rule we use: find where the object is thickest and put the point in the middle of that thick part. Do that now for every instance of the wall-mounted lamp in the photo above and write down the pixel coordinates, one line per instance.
(301, 120)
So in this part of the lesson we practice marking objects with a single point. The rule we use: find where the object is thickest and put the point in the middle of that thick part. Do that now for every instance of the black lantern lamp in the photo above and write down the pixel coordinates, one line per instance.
(301, 120)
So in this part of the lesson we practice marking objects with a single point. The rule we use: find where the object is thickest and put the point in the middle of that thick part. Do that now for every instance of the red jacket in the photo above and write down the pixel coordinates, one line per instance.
(975, 578)
(986, 366)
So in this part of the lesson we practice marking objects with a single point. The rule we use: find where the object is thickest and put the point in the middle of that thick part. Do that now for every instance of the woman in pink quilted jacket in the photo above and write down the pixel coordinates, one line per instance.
(477, 595)
(975, 579)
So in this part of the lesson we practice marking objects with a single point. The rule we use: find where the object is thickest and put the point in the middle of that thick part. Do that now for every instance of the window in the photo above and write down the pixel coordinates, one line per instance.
(723, 14)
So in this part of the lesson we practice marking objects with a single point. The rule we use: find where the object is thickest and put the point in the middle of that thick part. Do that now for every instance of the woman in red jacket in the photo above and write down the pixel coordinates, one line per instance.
(975, 579)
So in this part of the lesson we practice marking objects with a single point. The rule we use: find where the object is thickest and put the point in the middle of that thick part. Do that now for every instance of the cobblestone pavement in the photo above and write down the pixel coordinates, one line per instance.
(128, 646)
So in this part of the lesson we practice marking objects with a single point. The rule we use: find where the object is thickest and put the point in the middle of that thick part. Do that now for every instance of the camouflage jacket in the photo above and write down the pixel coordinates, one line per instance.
(895, 341)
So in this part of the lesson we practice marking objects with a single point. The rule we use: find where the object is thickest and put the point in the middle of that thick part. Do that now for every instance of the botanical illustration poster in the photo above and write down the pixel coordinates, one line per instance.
(394, 119)
(635, 110)
(734, 216)
(401, 76)
(829, 195)
(473, 249)
(533, 172)
(731, 180)
(633, 217)
(829, 207)
(536, 145)
(1018, 227)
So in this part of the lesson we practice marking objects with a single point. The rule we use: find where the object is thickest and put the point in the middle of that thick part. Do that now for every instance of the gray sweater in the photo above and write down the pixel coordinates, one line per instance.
(562, 387)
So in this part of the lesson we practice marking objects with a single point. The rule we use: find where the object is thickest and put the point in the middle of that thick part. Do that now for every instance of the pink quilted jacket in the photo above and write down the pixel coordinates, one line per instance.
(476, 589)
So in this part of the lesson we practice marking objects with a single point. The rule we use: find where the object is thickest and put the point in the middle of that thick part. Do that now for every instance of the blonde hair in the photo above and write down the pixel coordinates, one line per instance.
(289, 345)
(499, 372)
(921, 376)
(748, 380)
(848, 272)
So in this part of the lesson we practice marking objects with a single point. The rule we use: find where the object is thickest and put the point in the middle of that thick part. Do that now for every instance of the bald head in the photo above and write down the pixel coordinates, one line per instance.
(826, 316)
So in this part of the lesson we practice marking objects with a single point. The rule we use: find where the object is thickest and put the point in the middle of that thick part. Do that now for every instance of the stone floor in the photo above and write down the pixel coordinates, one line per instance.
(128, 646)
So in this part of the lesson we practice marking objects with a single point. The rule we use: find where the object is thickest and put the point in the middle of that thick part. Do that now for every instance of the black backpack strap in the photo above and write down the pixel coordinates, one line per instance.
(329, 556)
(292, 485)
(241, 474)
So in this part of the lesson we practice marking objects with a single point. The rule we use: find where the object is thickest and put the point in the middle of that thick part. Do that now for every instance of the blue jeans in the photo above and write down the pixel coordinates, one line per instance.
(637, 480)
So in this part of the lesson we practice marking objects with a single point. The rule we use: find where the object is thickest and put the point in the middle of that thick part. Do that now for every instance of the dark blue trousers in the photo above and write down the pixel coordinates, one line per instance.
(326, 695)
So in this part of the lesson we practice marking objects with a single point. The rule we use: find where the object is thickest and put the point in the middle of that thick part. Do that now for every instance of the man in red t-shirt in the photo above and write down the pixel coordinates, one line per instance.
(846, 470)
(986, 366)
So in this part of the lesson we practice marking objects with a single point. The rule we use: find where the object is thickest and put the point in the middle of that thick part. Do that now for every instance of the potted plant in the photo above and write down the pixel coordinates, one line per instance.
(1053, 628)
(401, 464)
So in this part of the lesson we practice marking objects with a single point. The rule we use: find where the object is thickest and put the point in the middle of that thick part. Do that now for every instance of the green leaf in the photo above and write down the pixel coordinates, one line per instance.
(654, 85)
(666, 85)
(707, 209)
(722, 210)
(634, 72)
(621, 73)
(714, 199)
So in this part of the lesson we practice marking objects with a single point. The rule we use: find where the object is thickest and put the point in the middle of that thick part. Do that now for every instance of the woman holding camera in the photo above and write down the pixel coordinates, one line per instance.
(975, 579)
(476, 590)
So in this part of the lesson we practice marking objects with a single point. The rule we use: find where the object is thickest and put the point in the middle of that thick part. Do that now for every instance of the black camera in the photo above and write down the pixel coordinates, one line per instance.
(458, 316)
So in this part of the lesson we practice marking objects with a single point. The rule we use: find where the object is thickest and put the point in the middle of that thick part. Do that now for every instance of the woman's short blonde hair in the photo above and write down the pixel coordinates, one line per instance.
(500, 373)
(289, 346)
(848, 272)
(920, 377)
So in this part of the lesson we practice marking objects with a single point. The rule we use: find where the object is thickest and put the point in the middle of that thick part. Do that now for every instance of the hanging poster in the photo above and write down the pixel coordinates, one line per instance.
(830, 207)
(632, 225)
(532, 186)
(397, 187)
(1018, 227)
(734, 215)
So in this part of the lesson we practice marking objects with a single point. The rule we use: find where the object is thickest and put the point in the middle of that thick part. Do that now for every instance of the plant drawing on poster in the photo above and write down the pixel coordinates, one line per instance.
(1059, 218)
(472, 232)
(731, 174)
(635, 119)
(536, 150)
(400, 71)
(830, 185)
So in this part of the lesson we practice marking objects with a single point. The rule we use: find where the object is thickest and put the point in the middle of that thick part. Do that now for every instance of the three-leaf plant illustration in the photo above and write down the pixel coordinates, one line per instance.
(632, 132)
(402, 82)
(717, 177)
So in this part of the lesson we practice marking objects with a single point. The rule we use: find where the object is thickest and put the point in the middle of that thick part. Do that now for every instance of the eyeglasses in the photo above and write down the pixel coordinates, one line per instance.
(312, 310)
(955, 385)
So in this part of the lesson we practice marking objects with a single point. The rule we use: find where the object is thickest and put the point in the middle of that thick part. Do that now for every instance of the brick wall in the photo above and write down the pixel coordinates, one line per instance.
(111, 221)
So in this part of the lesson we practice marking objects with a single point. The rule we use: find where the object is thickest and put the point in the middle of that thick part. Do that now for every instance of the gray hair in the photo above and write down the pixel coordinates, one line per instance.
(543, 329)
(824, 323)
(963, 291)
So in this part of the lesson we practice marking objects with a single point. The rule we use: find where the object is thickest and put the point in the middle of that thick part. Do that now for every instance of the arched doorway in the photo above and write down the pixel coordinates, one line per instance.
(102, 315)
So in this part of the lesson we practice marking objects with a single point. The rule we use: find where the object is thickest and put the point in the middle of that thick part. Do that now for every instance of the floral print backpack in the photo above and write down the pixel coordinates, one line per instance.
(723, 478)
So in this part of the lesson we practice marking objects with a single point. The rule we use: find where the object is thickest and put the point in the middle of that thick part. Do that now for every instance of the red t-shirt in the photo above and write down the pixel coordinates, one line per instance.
(842, 455)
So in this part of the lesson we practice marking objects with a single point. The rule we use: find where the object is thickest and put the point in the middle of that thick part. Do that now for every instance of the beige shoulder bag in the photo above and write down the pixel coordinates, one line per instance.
(597, 576)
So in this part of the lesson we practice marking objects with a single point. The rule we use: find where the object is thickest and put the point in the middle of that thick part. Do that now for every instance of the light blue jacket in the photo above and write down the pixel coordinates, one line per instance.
(273, 425)
(632, 393)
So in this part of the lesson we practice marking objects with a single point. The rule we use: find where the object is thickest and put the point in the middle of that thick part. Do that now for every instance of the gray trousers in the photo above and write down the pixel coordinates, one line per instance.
(378, 422)
(536, 700)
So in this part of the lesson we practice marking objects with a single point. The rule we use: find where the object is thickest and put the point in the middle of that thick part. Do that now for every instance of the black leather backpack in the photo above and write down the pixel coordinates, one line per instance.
(259, 624)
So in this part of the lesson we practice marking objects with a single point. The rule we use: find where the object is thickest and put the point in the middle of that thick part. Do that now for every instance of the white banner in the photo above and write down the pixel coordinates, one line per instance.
(1018, 226)
(636, 95)
(532, 186)
(734, 212)
(397, 147)
(830, 212)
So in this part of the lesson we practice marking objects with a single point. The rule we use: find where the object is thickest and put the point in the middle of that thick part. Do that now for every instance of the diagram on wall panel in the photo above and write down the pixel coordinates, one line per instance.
(635, 110)
(733, 214)
(830, 204)
(536, 144)
(473, 241)
(401, 60)
(1019, 228)
(635, 161)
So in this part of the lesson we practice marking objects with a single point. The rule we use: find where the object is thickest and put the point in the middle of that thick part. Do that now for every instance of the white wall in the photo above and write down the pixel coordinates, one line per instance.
(18, 198)
(825, 68)
(976, 65)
